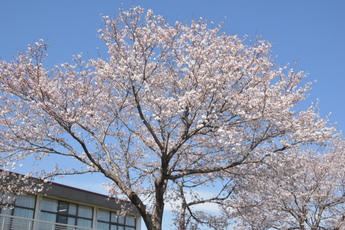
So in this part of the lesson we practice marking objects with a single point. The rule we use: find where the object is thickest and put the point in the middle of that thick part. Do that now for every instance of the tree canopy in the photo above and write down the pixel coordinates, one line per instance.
(173, 110)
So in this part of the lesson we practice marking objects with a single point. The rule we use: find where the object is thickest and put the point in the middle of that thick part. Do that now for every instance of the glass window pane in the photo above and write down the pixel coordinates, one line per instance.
(71, 221)
(51, 217)
(63, 207)
(49, 205)
(121, 219)
(60, 227)
(113, 217)
(120, 228)
(26, 201)
(85, 211)
(130, 228)
(61, 219)
(6, 211)
(113, 227)
(23, 212)
(21, 224)
(84, 223)
(102, 226)
(8, 198)
(130, 220)
(72, 210)
(103, 215)
(6, 222)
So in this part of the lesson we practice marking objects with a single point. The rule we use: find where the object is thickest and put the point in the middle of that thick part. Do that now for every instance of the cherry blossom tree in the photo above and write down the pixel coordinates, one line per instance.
(175, 109)
(304, 189)
(13, 184)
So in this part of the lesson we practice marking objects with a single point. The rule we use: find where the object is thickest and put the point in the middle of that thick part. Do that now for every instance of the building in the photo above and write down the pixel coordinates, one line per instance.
(63, 207)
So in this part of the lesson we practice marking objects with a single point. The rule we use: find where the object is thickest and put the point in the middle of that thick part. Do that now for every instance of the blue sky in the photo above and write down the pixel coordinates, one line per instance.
(309, 32)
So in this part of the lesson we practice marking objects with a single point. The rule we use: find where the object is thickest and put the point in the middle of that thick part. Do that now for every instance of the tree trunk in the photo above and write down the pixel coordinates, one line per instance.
(157, 215)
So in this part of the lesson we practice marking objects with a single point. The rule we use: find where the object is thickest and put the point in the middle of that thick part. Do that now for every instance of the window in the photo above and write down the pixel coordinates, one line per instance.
(107, 220)
(66, 213)
(22, 206)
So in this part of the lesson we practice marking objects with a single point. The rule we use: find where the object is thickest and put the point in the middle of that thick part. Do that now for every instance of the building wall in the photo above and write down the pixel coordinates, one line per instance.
(72, 207)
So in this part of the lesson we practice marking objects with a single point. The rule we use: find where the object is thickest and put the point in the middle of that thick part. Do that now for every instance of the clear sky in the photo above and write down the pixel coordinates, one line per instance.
(308, 32)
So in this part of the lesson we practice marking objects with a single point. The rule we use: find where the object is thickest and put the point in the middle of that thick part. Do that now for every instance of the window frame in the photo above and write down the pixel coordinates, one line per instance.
(66, 214)
(111, 223)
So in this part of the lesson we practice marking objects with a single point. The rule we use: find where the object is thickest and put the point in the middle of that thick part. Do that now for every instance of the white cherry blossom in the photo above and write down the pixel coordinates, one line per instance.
(173, 108)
